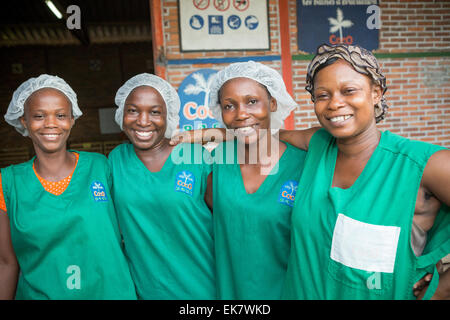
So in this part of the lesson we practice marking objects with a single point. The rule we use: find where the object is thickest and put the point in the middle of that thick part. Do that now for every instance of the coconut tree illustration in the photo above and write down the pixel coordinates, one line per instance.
(201, 85)
(97, 186)
(338, 23)
(186, 176)
(292, 187)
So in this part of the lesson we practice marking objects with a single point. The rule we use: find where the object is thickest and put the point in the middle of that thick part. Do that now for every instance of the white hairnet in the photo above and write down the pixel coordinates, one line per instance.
(16, 106)
(167, 92)
(266, 76)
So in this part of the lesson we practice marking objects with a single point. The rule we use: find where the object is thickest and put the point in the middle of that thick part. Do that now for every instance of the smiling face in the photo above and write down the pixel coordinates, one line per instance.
(48, 119)
(344, 100)
(246, 106)
(144, 118)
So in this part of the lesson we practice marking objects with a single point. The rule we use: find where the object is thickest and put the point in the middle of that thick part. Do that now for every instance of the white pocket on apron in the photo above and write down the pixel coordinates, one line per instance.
(364, 246)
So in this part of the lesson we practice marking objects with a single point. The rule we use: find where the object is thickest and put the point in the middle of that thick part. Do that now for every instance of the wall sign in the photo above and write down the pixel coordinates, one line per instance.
(213, 25)
(337, 21)
(194, 92)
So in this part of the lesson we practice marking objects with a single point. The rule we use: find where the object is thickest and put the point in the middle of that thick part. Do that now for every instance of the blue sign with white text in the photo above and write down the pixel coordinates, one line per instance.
(339, 21)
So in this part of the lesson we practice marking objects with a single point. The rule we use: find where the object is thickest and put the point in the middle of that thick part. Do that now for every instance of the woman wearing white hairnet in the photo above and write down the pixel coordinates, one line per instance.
(165, 222)
(57, 219)
(254, 182)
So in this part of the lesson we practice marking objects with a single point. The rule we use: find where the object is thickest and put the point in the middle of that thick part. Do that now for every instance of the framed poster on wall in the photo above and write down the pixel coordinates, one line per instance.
(218, 25)
(337, 21)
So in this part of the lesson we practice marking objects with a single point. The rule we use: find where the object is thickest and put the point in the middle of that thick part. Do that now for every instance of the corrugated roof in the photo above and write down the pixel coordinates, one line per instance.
(30, 22)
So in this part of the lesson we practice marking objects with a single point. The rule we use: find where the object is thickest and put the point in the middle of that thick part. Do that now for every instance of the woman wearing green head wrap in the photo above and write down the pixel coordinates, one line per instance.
(57, 223)
(159, 194)
(366, 194)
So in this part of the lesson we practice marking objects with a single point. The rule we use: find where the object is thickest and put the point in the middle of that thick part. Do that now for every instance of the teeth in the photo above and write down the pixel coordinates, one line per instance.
(245, 130)
(144, 134)
(51, 135)
(340, 118)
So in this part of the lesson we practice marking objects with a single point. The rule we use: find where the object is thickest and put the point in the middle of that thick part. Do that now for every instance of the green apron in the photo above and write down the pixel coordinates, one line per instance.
(67, 246)
(356, 243)
(252, 231)
(166, 225)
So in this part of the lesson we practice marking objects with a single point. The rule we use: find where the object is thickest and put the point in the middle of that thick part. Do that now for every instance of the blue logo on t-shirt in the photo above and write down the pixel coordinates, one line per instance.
(184, 182)
(98, 191)
(287, 192)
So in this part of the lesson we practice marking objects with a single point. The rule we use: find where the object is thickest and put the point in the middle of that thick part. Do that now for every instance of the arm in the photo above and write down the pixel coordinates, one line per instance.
(443, 289)
(9, 268)
(298, 138)
(202, 136)
(436, 180)
(436, 176)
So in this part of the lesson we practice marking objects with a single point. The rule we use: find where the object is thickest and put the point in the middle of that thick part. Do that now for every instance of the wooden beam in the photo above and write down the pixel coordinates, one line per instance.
(286, 56)
(157, 38)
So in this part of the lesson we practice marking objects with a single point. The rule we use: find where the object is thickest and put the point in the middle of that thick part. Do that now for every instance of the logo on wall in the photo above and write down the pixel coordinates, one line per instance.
(98, 191)
(288, 192)
(194, 94)
(184, 182)
(338, 22)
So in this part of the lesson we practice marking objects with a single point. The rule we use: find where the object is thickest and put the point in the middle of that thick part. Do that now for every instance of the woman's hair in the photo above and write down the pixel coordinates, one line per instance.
(362, 60)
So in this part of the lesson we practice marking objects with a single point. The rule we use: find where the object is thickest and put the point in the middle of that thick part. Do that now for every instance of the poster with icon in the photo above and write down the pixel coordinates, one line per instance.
(213, 25)
(352, 22)
(194, 94)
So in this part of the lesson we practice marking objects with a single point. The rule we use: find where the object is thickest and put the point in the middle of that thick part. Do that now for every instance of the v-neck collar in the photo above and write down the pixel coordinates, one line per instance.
(363, 176)
(38, 184)
(142, 165)
(262, 186)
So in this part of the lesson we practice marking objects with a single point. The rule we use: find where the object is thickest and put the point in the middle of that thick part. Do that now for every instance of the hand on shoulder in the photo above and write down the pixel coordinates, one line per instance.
(298, 138)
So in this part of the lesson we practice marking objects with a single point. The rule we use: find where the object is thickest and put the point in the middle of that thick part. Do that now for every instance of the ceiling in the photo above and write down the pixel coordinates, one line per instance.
(30, 22)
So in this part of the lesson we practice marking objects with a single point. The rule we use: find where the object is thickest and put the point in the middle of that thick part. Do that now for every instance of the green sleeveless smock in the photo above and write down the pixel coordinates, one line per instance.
(355, 243)
(252, 231)
(67, 246)
(166, 225)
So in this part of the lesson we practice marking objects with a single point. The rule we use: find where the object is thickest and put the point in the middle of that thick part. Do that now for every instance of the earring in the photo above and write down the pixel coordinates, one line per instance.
(378, 110)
